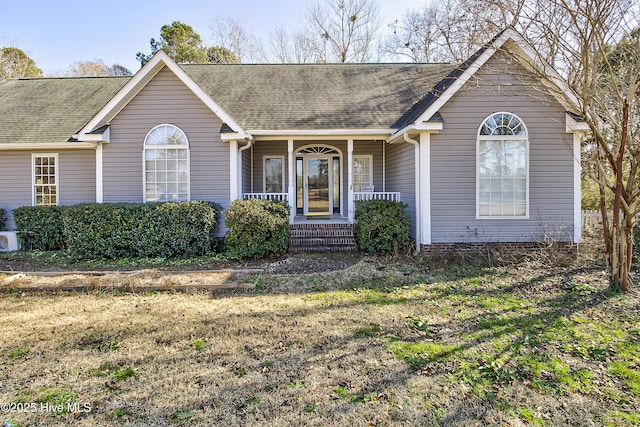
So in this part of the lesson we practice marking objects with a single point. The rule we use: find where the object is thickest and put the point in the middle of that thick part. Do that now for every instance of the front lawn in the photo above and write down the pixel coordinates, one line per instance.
(378, 343)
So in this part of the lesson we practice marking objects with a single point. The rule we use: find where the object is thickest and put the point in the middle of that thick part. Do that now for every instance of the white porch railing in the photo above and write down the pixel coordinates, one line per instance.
(377, 195)
(277, 197)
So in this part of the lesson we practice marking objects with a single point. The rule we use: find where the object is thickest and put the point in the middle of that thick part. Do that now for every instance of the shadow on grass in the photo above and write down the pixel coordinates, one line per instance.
(469, 331)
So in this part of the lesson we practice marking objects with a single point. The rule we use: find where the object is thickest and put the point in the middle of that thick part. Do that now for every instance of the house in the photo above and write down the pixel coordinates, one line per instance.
(483, 151)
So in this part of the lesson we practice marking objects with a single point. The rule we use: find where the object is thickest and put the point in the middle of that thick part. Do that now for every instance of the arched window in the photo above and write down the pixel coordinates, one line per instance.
(502, 167)
(166, 165)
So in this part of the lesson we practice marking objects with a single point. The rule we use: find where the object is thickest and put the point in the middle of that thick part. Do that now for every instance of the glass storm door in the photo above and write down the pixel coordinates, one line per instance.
(318, 177)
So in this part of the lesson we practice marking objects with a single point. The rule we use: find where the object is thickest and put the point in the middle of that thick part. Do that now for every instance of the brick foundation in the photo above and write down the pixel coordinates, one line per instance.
(481, 249)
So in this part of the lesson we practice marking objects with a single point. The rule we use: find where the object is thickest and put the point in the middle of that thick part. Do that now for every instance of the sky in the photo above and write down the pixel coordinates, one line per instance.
(55, 34)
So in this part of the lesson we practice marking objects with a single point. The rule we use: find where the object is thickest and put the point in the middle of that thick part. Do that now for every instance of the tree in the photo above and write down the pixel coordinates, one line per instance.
(96, 68)
(119, 70)
(295, 48)
(14, 63)
(231, 35)
(595, 47)
(439, 32)
(344, 30)
(180, 41)
(221, 55)
(598, 54)
(607, 53)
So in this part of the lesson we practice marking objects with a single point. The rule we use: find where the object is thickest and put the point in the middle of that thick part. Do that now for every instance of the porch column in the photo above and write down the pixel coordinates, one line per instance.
(425, 188)
(577, 189)
(291, 188)
(350, 204)
(99, 175)
(233, 171)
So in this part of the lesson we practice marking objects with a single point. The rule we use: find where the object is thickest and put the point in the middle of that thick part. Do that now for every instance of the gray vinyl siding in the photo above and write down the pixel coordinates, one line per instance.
(372, 148)
(264, 149)
(76, 179)
(15, 182)
(453, 160)
(77, 175)
(401, 169)
(246, 170)
(166, 100)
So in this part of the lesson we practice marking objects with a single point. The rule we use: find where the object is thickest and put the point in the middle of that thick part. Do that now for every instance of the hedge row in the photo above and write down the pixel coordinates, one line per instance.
(382, 226)
(40, 227)
(120, 230)
(257, 228)
(3, 219)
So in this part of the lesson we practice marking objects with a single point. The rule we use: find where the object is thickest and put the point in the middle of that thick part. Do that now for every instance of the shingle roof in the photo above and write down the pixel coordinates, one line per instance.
(51, 110)
(318, 96)
(265, 97)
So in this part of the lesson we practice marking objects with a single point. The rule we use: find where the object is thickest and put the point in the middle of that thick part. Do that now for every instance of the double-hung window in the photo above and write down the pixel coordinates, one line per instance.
(45, 179)
(502, 167)
(166, 165)
(274, 174)
(362, 173)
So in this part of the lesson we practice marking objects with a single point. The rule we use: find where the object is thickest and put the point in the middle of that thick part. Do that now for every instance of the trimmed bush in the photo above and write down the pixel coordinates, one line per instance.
(382, 226)
(124, 230)
(257, 228)
(3, 219)
(40, 227)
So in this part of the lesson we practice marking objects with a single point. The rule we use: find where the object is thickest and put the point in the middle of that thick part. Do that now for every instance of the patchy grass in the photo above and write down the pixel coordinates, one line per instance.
(379, 343)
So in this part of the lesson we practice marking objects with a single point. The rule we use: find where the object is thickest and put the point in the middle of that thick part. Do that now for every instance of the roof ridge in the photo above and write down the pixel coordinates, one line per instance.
(332, 64)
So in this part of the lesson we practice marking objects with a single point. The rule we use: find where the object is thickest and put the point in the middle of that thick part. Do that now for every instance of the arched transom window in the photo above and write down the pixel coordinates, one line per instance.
(166, 165)
(502, 167)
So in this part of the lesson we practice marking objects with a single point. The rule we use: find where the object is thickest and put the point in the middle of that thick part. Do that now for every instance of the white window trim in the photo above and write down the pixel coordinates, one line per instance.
(152, 147)
(503, 138)
(264, 172)
(33, 177)
(370, 158)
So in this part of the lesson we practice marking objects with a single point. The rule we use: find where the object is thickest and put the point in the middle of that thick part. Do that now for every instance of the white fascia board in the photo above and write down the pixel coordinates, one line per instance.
(318, 134)
(142, 77)
(460, 81)
(430, 126)
(398, 136)
(543, 67)
(95, 137)
(572, 126)
(232, 136)
(48, 146)
(528, 53)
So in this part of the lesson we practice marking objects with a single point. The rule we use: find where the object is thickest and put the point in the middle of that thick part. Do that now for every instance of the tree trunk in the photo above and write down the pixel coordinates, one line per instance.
(621, 228)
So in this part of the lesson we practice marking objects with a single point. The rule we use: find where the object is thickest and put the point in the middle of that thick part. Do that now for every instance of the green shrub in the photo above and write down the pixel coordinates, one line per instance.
(40, 227)
(119, 230)
(257, 228)
(3, 219)
(382, 226)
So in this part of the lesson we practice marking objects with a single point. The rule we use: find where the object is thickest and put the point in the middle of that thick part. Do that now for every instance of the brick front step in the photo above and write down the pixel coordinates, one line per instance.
(322, 238)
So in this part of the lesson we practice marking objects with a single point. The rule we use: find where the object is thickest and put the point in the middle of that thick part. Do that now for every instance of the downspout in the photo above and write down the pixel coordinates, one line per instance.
(416, 146)
(245, 147)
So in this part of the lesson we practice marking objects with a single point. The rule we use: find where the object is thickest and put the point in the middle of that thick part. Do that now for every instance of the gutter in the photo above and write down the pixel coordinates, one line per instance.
(252, 140)
(48, 146)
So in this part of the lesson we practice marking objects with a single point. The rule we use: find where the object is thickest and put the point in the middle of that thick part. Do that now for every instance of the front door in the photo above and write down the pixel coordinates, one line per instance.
(318, 185)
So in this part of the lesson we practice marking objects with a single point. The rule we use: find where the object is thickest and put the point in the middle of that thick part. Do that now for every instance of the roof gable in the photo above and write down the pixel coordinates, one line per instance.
(159, 61)
(510, 40)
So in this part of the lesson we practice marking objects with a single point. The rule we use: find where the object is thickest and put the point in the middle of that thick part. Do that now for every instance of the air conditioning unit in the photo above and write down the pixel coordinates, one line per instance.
(9, 241)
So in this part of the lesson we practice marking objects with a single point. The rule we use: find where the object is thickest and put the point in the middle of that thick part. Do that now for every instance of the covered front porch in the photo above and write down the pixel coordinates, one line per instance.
(319, 179)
